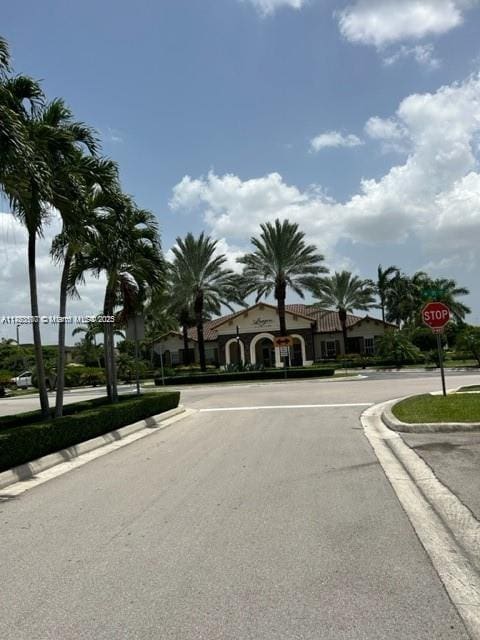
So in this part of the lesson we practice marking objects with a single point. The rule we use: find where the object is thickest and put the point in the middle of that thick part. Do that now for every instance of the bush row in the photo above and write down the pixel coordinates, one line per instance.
(22, 444)
(270, 374)
(29, 417)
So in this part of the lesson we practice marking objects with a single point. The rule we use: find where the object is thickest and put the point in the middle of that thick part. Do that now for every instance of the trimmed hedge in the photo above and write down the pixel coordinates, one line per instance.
(21, 444)
(29, 417)
(247, 375)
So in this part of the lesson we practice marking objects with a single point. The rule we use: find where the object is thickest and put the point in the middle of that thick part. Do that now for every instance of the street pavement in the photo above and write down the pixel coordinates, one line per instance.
(264, 515)
(455, 460)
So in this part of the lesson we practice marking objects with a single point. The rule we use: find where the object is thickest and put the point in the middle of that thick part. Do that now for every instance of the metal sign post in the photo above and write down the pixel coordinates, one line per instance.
(436, 315)
(440, 360)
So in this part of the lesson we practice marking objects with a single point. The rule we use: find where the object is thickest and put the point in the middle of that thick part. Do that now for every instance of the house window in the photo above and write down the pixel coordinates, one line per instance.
(331, 348)
(369, 346)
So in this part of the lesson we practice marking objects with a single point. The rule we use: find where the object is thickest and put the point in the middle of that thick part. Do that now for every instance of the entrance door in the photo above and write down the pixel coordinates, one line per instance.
(265, 352)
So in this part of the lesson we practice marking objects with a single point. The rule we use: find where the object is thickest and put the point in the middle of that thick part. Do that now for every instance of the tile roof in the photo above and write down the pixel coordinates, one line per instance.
(327, 320)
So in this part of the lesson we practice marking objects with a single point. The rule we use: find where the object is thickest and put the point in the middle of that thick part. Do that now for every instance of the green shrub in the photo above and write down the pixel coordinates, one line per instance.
(22, 444)
(93, 376)
(271, 374)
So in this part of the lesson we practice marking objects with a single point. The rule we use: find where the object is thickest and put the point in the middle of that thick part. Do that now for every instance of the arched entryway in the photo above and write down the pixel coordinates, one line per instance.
(297, 351)
(234, 352)
(263, 351)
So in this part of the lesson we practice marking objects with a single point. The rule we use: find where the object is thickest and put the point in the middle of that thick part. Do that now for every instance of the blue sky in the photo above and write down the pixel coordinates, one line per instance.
(358, 119)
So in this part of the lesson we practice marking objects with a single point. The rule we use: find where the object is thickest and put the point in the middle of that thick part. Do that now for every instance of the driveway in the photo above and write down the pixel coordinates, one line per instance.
(264, 515)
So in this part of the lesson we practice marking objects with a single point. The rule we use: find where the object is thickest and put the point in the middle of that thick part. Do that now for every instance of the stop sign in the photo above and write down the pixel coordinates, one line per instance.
(435, 315)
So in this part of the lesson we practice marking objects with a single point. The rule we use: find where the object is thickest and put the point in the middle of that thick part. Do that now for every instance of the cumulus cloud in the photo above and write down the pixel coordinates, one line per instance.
(14, 285)
(433, 196)
(424, 54)
(268, 7)
(332, 139)
(383, 23)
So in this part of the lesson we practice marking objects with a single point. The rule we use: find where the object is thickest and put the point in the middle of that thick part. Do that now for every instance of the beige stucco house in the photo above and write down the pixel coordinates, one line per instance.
(248, 336)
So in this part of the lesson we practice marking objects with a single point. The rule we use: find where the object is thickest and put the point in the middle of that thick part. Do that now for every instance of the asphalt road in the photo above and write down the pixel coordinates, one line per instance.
(249, 523)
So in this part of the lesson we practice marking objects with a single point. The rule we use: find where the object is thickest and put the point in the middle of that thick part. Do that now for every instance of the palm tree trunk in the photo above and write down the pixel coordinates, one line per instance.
(96, 351)
(198, 308)
(342, 314)
(281, 311)
(109, 305)
(61, 335)
(37, 340)
(106, 348)
(186, 358)
(382, 306)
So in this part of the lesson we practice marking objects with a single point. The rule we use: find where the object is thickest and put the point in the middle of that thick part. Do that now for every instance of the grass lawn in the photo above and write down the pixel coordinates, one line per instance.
(427, 408)
(473, 387)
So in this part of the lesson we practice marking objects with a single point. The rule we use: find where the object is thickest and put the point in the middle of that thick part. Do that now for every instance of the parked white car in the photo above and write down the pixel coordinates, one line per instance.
(23, 381)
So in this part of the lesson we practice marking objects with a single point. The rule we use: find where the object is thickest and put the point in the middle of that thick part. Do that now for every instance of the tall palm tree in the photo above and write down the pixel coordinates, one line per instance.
(19, 97)
(80, 180)
(201, 273)
(52, 136)
(127, 251)
(344, 292)
(446, 290)
(281, 260)
(383, 284)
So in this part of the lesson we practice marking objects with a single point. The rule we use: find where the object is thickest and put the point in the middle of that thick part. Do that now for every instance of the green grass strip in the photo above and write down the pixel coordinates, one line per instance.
(427, 408)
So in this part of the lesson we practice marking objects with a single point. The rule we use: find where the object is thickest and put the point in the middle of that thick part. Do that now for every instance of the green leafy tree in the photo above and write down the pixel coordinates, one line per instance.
(281, 260)
(127, 251)
(396, 346)
(202, 276)
(344, 292)
(81, 180)
(469, 341)
(384, 283)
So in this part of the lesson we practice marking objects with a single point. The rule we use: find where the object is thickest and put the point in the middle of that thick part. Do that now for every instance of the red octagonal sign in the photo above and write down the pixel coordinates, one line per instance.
(435, 315)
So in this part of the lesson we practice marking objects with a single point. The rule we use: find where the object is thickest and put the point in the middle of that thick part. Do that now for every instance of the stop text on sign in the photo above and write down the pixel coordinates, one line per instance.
(437, 314)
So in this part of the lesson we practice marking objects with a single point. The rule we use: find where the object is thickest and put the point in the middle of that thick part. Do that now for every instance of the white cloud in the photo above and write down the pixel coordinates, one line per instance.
(14, 284)
(423, 54)
(332, 139)
(113, 135)
(268, 7)
(384, 22)
(433, 196)
(384, 129)
(390, 132)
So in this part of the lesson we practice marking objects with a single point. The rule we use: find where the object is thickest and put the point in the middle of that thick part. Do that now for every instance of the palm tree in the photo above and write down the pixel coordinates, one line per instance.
(383, 284)
(202, 276)
(52, 137)
(447, 291)
(127, 250)
(80, 181)
(345, 293)
(90, 331)
(19, 97)
(281, 260)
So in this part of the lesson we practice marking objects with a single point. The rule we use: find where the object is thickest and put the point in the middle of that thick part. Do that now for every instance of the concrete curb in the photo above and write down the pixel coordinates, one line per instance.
(423, 427)
(30, 469)
(446, 528)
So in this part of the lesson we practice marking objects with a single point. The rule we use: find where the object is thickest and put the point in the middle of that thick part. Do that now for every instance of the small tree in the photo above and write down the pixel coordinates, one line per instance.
(395, 345)
(469, 341)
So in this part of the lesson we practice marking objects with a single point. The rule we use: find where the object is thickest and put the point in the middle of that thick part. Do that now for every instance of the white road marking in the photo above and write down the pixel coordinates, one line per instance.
(424, 497)
(288, 406)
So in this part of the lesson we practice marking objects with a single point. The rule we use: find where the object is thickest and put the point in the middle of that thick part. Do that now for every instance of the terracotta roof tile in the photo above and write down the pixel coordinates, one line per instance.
(327, 320)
